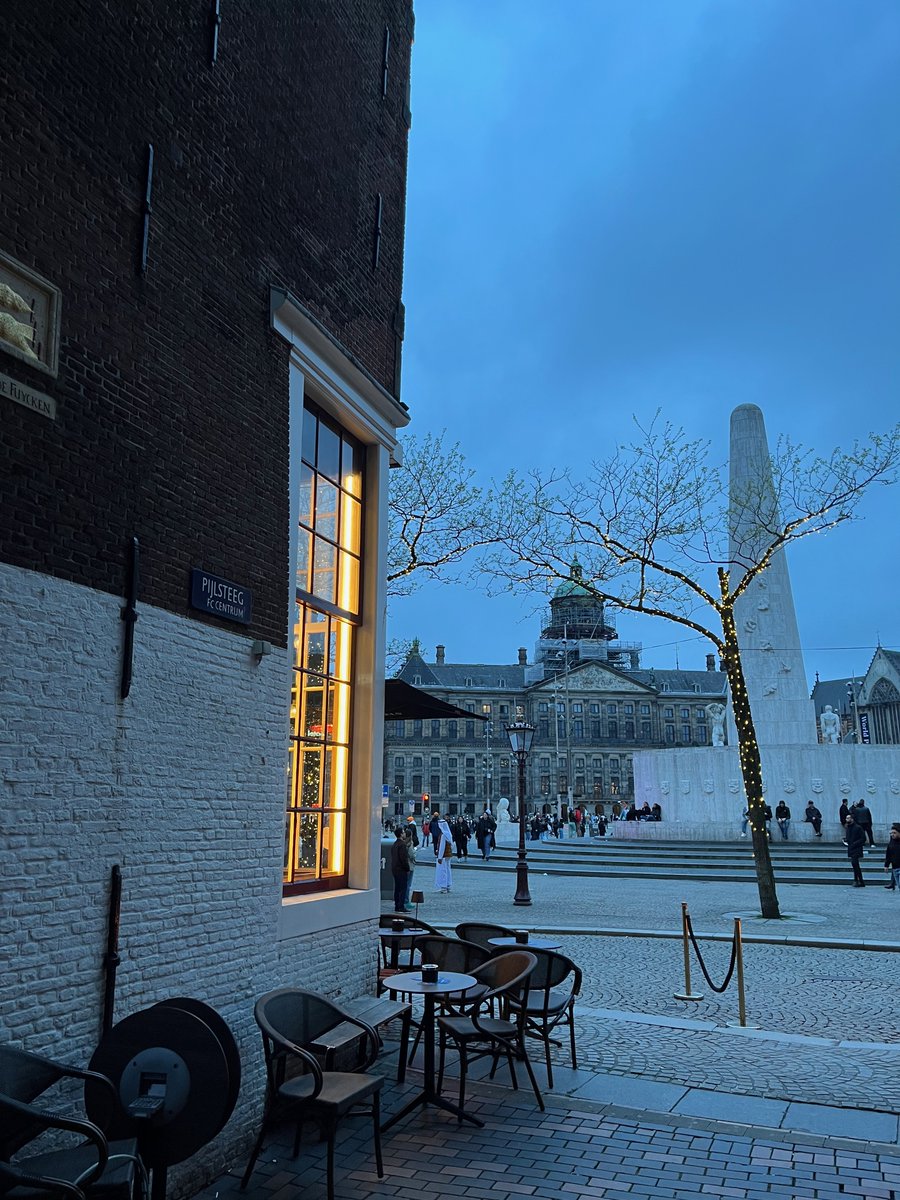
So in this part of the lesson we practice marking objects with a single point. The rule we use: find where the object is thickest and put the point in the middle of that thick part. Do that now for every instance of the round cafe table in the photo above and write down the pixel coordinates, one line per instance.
(536, 942)
(397, 940)
(411, 983)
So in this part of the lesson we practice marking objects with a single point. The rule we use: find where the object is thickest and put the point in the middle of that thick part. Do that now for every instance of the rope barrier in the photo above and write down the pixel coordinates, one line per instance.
(736, 963)
(706, 976)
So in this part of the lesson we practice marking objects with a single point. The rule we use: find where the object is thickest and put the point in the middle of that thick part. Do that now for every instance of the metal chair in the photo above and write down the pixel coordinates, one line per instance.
(476, 1035)
(95, 1168)
(479, 932)
(400, 956)
(291, 1020)
(452, 954)
(550, 1001)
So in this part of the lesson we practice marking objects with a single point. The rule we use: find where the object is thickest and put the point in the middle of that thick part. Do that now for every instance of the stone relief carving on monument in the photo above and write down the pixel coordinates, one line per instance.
(750, 625)
(818, 787)
(845, 788)
(685, 787)
(871, 787)
(763, 605)
(709, 786)
(895, 786)
(767, 646)
(770, 689)
(790, 787)
(665, 787)
(734, 786)
(785, 666)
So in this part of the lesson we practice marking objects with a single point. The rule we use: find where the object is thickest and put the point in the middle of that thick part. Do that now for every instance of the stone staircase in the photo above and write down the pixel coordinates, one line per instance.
(821, 862)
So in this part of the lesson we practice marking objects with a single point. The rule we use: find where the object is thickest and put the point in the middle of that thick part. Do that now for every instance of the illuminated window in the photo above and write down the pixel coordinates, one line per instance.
(327, 611)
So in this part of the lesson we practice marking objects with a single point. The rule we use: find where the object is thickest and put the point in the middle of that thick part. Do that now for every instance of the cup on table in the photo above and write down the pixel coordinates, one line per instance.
(429, 972)
(522, 937)
(397, 926)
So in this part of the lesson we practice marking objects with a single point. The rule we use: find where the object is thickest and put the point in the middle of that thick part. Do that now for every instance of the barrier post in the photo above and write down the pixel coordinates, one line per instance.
(742, 1006)
(687, 994)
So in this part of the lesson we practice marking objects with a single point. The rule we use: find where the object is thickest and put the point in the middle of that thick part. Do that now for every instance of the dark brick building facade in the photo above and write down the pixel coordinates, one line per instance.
(271, 167)
(226, 392)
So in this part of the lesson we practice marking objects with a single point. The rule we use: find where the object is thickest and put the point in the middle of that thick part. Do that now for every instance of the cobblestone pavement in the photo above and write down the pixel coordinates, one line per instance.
(823, 996)
(571, 1151)
(485, 891)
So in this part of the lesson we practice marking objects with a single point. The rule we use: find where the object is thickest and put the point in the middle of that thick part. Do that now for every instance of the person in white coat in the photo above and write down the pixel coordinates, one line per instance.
(443, 849)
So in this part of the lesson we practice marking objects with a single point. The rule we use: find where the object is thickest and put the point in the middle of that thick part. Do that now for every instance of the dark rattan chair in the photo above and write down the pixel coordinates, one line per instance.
(552, 988)
(476, 1034)
(479, 932)
(291, 1021)
(452, 954)
(93, 1168)
(398, 955)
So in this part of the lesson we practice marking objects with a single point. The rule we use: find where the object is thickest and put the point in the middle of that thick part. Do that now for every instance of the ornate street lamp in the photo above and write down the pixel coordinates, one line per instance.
(520, 735)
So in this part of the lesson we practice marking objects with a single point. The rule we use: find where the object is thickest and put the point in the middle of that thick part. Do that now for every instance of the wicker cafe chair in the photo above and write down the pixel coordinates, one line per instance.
(407, 952)
(291, 1020)
(550, 1002)
(477, 1035)
(479, 932)
(92, 1168)
(452, 954)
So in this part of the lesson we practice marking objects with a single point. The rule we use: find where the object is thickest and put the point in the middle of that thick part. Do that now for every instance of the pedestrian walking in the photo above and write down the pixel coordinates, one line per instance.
(814, 818)
(400, 869)
(411, 831)
(412, 838)
(461, 834)
(855, 841)
(768, 820)
(426, 831)
(842, 813)
(892, 859)
(864, 818)
(443, 853)
(783, 817)
(484, 834)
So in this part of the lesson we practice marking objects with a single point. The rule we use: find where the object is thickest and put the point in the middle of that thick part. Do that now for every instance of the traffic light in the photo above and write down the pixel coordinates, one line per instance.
(425, 798)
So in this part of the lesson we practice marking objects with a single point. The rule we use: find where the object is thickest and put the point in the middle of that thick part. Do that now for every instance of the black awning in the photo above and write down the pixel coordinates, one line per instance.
(403, 702)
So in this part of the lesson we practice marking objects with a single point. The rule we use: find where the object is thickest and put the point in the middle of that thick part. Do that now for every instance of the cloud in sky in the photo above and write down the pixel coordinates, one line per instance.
(615, 207)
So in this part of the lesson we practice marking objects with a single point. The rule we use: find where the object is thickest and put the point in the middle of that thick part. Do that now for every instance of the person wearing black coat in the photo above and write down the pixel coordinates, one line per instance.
(892, 859)
(864, 818)
(814, 817)
(855, 842)
(400, 870)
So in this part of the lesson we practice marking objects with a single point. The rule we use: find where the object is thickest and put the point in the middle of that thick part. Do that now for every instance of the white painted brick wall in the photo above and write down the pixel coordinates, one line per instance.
(182, 785)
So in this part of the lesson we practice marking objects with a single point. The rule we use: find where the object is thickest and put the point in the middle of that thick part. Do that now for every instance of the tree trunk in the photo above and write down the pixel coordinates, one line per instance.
(751, 766)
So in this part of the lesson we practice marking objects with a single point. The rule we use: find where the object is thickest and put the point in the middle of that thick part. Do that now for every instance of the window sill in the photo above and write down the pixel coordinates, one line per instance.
(300, 916)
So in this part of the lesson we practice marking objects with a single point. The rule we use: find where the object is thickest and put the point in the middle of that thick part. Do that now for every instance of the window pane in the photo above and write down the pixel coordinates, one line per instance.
(333, 842)
(342, 641)
(307, 852)
(351, 522)
(334, 783)
(310, 778)
(306, 495)
(326, 509)
(312, 722)
(304, 559)
(348, 589)
(324, 571)
(328, 460)
(338, 713)
(351, 468)
(308, 447)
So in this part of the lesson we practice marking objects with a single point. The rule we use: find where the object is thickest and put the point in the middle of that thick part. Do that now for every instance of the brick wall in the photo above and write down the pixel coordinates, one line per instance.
(172, 389)
(183, 787)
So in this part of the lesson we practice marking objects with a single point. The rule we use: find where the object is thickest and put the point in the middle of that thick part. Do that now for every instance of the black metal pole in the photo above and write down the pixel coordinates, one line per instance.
(522, 896)
(111, 959)
(129, 616)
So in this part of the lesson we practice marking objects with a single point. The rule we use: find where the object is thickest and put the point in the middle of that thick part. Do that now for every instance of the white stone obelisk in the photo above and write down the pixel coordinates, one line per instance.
(783, 713)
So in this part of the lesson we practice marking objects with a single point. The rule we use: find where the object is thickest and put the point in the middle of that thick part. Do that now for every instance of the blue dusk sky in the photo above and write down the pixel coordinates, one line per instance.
(616, 206)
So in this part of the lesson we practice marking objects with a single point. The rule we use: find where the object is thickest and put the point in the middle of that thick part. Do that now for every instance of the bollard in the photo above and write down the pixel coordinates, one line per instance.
(742, 1006)
(687, 994)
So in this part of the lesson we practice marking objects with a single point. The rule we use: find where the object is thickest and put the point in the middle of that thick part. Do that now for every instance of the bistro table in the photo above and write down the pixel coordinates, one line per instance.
(399, 939)
(536, 943)
(411, 983)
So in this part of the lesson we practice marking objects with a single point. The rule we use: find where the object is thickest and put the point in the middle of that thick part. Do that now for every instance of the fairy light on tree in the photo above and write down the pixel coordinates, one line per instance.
(650, 526)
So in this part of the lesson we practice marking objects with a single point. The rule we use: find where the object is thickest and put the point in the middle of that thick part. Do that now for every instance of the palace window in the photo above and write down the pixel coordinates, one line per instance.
(326, 614)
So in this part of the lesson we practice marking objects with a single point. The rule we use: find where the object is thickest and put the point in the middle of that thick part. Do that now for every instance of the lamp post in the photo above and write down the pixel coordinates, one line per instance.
(520, 735)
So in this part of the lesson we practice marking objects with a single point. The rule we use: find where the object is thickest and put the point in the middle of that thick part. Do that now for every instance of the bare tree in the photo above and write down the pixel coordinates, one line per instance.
(437, 514)
(651, 528)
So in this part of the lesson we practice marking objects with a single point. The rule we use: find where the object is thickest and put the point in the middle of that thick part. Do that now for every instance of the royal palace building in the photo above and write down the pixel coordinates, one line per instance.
(592, 703)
